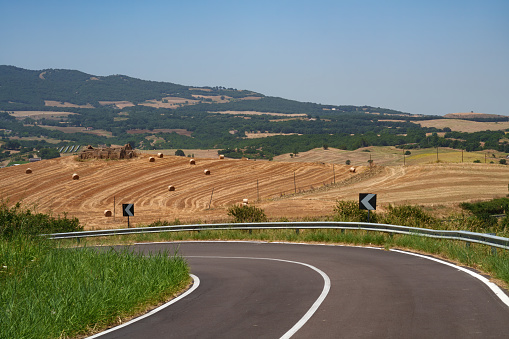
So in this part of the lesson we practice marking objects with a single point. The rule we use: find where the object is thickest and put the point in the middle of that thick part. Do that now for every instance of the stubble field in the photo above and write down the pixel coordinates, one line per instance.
(284, 189)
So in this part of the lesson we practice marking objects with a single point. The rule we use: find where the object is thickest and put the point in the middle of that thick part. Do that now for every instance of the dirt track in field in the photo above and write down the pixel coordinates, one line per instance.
(145, 184)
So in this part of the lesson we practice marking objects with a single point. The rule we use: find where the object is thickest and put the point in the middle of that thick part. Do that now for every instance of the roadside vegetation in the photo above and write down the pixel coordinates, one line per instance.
(495, 263)
(47, 291)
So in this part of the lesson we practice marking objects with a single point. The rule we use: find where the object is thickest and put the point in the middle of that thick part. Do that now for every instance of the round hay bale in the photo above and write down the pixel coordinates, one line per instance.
(160, 155)
(206, 172)
(28, 171)
(244, 202)
(75, 176)
(221, 156)
(151, 159)
(107, 213)
(192, 162)
(171, 188)
(352, 170)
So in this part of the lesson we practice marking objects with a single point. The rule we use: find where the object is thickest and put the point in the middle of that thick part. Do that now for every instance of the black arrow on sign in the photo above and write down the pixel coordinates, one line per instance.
(367, 201)
(128, 210)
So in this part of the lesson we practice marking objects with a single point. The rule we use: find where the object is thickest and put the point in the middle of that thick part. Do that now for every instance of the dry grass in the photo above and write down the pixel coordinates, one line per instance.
(437, 186)
(40, 114)
(458, 125)
(260, 113)
(53, 103)
(98, 132)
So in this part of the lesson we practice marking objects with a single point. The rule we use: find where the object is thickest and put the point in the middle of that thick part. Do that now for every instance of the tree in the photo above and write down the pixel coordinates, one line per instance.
(503, 161)
(180, 153)
(408, 153)
(48, 153)
(348, 162)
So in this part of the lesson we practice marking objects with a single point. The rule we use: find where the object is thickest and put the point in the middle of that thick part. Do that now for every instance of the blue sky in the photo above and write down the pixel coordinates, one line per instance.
(426, 57)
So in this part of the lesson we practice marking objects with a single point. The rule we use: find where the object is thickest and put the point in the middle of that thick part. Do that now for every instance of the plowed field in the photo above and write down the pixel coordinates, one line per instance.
(145, 184)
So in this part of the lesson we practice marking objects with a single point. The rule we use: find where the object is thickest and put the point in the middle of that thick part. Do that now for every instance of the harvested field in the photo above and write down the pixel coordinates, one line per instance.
(392, 156)
(145, 184)
(261, 113)
(99, 132)
(40, 114)
(117, 104)
(53, 103)
(459, 125)
(161, 130)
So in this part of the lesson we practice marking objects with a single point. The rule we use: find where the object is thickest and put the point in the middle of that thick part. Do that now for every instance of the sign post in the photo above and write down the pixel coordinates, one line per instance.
(367, 201)
(128, 211)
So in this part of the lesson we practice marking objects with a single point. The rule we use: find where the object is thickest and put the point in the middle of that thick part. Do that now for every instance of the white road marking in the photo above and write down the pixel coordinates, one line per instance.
(196, 283)
(497, 290)
(314, 307)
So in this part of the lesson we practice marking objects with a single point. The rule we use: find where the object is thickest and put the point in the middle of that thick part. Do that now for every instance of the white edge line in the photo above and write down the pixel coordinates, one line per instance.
(196, 283)
(314, 307)
(493, 287)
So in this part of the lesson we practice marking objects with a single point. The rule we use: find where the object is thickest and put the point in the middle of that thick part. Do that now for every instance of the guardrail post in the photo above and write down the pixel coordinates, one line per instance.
(467, 245)
(493, 248)
(297, 231)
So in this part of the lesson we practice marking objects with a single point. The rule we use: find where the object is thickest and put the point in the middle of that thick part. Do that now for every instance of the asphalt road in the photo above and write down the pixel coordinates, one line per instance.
(245, 293)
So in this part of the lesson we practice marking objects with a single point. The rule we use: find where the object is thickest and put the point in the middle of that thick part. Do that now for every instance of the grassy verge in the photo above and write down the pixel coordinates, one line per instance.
(47, 291)
(50, 292)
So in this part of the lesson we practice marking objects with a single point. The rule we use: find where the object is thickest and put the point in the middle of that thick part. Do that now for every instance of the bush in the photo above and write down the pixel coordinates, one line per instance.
(247, 214)
(18, 220)
(348, 210)
(408, 215)
(180, 153)
(348, 162)
(503, 161)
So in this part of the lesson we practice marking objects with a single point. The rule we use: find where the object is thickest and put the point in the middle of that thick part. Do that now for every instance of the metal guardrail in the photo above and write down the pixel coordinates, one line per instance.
(468, 237)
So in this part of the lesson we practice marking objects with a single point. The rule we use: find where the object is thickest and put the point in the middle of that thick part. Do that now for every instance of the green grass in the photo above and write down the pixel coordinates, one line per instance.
(50, 292)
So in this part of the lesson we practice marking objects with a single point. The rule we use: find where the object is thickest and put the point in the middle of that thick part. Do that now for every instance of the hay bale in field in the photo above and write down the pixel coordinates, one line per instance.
(107, 213)
(28, 171)
(151, 159)
(160, 155)
(221, 156)
(75, 176)
(244, 202)
(171, 188)
(352, 170)
(206, 172)
(192, 162)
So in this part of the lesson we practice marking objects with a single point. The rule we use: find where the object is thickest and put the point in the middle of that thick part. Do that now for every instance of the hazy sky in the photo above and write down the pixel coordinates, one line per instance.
(428, 57)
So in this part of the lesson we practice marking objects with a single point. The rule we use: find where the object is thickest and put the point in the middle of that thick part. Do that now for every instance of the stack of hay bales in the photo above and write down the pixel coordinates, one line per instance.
(75, 176)
(28, 171)
(206, 172)
(244, 202)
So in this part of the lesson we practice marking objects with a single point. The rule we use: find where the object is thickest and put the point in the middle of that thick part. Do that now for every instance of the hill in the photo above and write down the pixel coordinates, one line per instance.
(64, 109)
(145, 183)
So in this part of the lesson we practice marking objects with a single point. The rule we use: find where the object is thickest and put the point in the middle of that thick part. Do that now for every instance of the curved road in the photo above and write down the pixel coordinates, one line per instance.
(245, 293)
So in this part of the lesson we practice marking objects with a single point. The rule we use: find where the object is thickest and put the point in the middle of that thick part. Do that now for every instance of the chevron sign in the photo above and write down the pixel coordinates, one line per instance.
(367, 201)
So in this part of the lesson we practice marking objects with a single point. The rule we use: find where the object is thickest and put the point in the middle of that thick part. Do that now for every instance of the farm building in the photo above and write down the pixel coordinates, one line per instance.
(123, 152)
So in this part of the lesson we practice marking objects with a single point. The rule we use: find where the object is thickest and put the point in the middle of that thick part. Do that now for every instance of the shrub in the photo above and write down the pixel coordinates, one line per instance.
(503, 161)
(18, 220)
(348, 210)
(247, 213)
(408, 215)
(348, 162)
